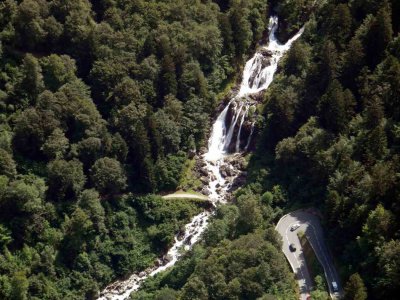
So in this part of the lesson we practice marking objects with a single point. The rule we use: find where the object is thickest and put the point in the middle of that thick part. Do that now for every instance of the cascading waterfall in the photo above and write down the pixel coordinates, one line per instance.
(249, 139)
(244, 115)
(257, 76)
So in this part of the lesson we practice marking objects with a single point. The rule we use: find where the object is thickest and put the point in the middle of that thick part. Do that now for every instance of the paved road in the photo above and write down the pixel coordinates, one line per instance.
(311, 226)
(185, 195)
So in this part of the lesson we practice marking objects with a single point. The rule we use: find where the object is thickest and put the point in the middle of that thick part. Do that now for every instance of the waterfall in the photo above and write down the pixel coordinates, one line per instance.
(237, 148)
(232, 127)
(249, 139)
(258, 74)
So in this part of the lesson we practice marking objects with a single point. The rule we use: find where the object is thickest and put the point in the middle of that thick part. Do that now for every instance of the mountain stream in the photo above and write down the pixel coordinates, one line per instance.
(231, 133)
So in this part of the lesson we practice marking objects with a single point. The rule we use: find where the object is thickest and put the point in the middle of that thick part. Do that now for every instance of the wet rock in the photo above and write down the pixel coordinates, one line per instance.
(203, 150)
(265, 52)
(188, 241)
(204, 171)
(204, 180)
(223, 173)
(191, 153)
(180, 235)
(224, 170)
(142, 274)
(201, 163)
(168, 258)
(205, 191)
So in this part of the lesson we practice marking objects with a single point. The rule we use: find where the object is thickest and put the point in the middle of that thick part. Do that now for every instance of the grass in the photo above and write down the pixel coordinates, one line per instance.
(189, 182)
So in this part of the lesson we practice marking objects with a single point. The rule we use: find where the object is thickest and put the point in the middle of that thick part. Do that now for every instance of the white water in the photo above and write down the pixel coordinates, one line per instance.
(257, 76)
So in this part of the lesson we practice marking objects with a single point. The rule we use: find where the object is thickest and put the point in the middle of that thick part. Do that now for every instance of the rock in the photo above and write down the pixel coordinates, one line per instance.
(204, 171)
(265, 52)
(180, 235)
(205, 191)
(142, 274)
(200, 163)
(223, 173)
(203, 150)
(192, 153)
(204, 180)
(188, 240)
(168, 258)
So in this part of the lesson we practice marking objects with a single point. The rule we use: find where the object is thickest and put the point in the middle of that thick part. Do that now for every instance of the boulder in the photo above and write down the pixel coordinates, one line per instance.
(204, 180)
(203, 150)
(205, 191)
(204, 171)
(192, 153)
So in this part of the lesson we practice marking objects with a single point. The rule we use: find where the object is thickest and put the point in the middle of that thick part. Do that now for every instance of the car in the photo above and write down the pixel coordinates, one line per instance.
(292, 247)
(294, 227)
(335, 286)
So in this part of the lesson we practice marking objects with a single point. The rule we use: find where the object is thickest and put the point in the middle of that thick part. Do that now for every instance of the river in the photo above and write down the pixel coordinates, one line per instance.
(231, 133)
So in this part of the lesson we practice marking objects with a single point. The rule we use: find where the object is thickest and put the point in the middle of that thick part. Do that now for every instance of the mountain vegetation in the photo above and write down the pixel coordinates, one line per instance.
(101, 103)
(329, 138)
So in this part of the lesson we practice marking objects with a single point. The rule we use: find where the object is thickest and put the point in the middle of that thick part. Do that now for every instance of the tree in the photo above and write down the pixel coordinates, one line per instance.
(250, 216)
(89, 201)
(5, 237)
(66, 179)
(30, 23)
(20, 285)
(108, 176)
(355, 288)
(241, 27)
(31, 130)
(127, 91)
(297, 59)
(380, 34)
(336, 108)
(386, 285)
(78, 232)
(340, 25)
(32, 82)
(7, 164)
(56, 145)
(195, 289)
(58, 70)
(169, 84)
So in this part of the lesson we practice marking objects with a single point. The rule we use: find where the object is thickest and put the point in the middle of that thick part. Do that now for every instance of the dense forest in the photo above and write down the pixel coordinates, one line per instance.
(332, 133)
(102, 103)
(329, 139)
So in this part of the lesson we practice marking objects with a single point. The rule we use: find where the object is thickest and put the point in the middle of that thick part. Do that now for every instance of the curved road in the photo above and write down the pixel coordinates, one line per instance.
(311, 226)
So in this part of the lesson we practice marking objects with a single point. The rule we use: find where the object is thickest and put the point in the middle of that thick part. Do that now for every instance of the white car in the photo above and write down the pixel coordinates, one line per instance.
(335, 286)
(294, 227)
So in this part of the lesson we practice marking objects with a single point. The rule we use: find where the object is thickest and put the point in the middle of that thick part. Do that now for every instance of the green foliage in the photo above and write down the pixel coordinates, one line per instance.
(108, 176)
(66, 179)
(330, 134)
(167, 216)
(239, 269)
(355, 289)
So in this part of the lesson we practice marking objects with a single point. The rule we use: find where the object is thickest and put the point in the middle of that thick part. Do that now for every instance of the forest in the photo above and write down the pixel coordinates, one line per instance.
(102, 102)
(329, 138)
